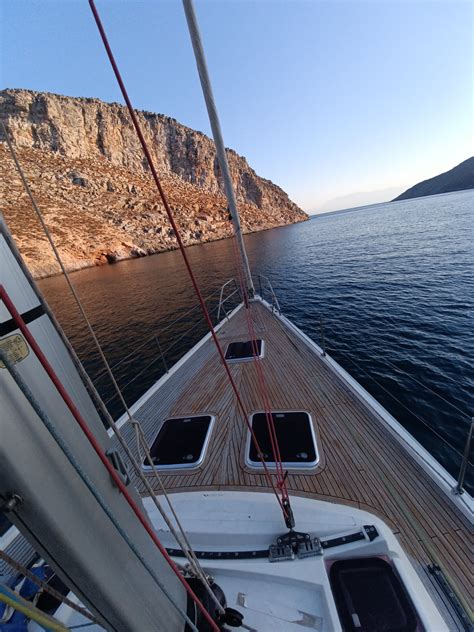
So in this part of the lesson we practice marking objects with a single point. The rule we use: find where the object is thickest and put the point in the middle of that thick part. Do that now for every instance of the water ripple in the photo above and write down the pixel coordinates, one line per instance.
(394, 283)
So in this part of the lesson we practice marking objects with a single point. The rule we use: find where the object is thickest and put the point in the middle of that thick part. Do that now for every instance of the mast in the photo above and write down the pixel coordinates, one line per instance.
(52, 483)
(217, 135)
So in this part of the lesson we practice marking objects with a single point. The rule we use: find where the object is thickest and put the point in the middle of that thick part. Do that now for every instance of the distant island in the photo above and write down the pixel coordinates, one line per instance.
(457, 179)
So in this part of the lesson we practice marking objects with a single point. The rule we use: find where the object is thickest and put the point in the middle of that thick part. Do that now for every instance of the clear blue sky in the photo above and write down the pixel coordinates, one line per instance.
(326, 99)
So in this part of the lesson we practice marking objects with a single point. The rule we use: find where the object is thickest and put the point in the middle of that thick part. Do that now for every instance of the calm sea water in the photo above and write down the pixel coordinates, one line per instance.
(393, 282)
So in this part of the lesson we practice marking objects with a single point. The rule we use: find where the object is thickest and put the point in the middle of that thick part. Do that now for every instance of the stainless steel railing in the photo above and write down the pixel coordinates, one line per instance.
(266, 287)
(175, 332)
(223, 301)
(463, 456)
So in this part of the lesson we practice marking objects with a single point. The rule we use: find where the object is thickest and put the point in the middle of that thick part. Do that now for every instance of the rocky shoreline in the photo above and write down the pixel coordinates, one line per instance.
(95, 225)
(97, 197)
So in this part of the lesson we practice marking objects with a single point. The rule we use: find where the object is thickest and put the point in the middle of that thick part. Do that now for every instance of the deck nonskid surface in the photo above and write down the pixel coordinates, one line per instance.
(361, 463)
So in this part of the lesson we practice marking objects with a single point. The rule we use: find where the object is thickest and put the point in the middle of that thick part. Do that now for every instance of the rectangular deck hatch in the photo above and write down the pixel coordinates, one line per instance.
(239, 351)
(296, 440)
(181, 442)
(370, 597)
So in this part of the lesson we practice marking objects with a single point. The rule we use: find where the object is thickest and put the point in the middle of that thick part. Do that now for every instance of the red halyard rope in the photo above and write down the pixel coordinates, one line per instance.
(169, 213)
(281, 477)
(280, 473)
(98, 450)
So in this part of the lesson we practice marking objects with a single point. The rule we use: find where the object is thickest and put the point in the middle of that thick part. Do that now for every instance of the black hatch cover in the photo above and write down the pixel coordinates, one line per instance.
(180, 442)
(294, 434)
(243, 350)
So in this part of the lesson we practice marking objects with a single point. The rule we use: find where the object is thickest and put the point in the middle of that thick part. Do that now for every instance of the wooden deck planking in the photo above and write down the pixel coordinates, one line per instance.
(361, 464)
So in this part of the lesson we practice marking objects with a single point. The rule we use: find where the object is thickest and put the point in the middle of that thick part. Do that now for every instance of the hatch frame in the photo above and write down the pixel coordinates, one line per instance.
(289, 465)
(248, 358)
(183, 466)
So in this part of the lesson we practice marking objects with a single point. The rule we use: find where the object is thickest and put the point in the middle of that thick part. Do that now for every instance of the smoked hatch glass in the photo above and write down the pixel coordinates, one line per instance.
(295, 435)
(370, 597)
(181, 442)
(244, 350)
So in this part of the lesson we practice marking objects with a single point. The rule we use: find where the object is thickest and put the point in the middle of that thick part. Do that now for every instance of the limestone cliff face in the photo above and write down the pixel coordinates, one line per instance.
(84, 161)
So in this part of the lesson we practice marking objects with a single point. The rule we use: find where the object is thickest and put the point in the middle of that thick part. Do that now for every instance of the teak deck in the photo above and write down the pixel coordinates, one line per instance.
(361, 463)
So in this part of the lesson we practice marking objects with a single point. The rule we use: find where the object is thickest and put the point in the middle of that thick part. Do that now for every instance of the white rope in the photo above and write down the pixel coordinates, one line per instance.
(397, 368)
(62, 444)
(185, 544)
(44, 586)
(420, 419)
(63, 269)
(185, 548)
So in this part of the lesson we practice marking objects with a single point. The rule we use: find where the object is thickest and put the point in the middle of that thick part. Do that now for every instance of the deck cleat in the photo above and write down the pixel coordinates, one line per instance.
(294, 544)
(309, 548)
(280, 553)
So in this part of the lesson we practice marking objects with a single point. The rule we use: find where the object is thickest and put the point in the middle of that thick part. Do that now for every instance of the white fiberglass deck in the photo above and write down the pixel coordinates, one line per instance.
(362, 463)
(285, 596)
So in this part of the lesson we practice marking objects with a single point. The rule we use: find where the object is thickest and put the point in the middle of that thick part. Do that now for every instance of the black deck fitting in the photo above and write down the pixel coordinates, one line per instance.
(289, 517)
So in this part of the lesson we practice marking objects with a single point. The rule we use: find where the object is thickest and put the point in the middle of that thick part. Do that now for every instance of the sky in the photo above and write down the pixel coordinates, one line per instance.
(341, 103)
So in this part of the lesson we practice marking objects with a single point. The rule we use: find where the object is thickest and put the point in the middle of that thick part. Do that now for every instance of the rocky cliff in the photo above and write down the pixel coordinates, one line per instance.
(86, 169)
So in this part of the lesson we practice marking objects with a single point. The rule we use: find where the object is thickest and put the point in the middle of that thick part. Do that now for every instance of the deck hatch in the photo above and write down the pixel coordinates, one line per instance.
(296, 440)
(239, 351)
(370, 597)
(181, 442)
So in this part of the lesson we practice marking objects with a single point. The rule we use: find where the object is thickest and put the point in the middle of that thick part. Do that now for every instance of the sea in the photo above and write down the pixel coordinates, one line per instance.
(390, 286)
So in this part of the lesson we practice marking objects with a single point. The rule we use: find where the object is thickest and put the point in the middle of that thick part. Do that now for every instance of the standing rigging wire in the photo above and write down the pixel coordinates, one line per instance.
(280, 474)
(177, 234)
(98, 450)
(15, 374)
(182, 540)
(44, 586)
(242, 261)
